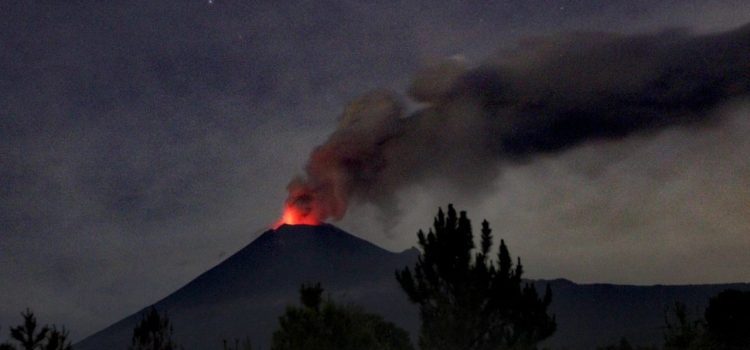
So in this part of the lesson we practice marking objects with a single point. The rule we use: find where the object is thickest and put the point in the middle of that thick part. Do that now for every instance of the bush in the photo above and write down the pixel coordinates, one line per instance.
(325, 325)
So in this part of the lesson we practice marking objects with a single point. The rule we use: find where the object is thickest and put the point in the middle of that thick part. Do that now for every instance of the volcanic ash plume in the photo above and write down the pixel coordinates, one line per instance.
(548, 96)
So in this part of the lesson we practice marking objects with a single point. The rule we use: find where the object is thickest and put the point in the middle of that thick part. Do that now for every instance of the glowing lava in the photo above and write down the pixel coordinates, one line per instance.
(294, 215)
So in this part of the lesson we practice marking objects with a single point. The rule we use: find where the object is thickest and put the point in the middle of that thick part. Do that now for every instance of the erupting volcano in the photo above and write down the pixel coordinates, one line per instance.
(294, 215)
(299, 211)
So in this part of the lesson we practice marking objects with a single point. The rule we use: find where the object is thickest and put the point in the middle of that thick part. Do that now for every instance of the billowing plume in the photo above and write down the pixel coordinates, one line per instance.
(549, 95)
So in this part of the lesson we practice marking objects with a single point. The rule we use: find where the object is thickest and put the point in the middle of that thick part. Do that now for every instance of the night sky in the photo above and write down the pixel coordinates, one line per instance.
(141, 143)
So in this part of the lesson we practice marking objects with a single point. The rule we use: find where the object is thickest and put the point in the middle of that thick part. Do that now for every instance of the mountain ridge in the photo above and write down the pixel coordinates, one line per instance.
(244, 294)
(254, 285)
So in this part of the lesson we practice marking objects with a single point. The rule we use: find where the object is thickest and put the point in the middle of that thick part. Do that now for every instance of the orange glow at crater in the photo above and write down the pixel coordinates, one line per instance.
(294, 215)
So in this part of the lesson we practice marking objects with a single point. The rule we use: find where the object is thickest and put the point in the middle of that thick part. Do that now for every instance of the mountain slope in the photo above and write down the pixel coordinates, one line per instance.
(245, 294)
(591, 315)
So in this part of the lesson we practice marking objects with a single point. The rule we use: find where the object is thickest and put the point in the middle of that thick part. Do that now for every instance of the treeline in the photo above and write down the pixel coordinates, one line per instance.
(725, 325)
(30, 336)
(468, 299)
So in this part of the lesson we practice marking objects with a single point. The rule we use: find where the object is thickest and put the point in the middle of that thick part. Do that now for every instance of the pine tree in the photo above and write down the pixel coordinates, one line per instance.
(472, 302)
(27, 335)
(325, 325)
(728, 320)
(153, 332)
(58, 340)
(681, 331)
(45, 339)
(246, 345)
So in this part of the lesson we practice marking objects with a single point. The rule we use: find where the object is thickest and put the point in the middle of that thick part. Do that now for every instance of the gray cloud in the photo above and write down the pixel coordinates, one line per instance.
(551, 95)
(664, 207)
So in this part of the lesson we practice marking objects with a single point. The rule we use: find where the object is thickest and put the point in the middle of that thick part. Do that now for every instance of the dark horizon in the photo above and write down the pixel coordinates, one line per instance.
(274, 265)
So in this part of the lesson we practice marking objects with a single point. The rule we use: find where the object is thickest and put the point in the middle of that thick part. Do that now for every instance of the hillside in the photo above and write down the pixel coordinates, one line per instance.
(244, 295)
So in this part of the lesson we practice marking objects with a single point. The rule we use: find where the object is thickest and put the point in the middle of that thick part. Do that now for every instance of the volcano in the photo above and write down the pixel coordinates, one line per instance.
(244, 295)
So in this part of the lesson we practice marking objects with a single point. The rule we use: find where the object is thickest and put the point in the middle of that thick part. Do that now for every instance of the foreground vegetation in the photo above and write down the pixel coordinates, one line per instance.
(29, 336)
(724, 326)
(466, 298)
(324, 325)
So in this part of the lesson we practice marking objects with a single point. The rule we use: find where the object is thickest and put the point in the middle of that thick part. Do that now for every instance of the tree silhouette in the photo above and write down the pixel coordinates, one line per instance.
(26, 334)
(246, 345)
(58, 340)
(624, 344)
(468, 301)
(29, 338)
(153, 332)
(324, 325)
(725, 326)
(311, 296)
(681, 332)
(728, 320)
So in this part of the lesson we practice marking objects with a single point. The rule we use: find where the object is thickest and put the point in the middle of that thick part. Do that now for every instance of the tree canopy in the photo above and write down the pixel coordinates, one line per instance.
(30, 336)
(728, 320)
(467, 300)
(725, 325)
(153, 332)
(325, 325)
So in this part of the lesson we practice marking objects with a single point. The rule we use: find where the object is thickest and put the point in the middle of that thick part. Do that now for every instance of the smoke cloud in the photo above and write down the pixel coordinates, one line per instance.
(547, 96)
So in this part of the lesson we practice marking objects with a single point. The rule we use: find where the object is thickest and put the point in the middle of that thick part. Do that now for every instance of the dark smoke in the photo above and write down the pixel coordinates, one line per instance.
(548, 96)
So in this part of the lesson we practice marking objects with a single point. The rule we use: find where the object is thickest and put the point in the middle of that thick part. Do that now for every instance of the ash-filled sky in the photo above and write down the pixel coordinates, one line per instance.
(142, 143)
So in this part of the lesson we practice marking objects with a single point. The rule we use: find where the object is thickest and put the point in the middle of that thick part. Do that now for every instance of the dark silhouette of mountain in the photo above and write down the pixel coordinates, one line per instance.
(591, 315)
(245, 294)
